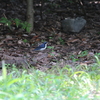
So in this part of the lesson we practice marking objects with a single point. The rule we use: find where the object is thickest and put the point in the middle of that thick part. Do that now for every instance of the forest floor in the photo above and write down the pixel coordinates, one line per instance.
(63, 49)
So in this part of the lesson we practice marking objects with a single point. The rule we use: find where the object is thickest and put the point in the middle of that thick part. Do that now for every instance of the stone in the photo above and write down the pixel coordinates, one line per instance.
(73, 24)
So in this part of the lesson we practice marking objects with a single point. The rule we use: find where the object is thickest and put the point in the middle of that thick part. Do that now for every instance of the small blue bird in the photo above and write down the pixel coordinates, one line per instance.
(41, 47)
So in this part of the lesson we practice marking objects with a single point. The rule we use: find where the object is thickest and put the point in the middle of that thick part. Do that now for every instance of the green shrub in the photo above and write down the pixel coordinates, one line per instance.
(16, 22)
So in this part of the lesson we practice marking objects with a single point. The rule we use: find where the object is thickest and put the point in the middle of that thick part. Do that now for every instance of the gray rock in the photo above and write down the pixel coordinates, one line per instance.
(73, 25)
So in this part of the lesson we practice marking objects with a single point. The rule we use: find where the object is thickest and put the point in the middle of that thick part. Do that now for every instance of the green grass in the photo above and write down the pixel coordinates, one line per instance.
(78, 83)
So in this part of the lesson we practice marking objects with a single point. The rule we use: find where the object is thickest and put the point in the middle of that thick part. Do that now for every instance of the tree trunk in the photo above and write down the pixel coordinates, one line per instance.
(30, 14)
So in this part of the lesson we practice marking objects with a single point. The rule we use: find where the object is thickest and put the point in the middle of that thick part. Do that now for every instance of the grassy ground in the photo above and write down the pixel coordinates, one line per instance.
(80, 83)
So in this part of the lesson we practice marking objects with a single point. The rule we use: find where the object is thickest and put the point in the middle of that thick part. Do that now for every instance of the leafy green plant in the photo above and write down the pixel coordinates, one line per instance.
(73, 58)
(25, 40)
(50, 47)
(50, 37)
(98, 32)
(98, 55)
(83, 53)
(26, 26)
(18, 23)
(70, 1)
(61, 41)
(6, 22)
(97, 59)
